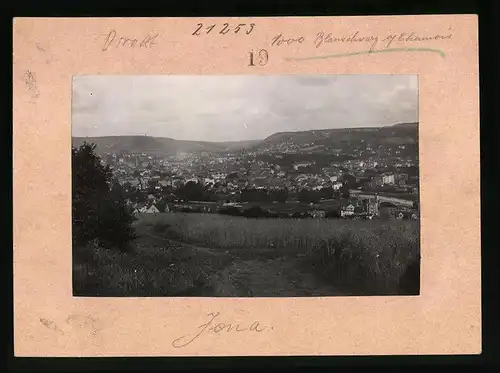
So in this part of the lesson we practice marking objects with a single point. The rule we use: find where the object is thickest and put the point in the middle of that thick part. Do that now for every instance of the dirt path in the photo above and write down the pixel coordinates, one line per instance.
(270, 278)
(262, 272)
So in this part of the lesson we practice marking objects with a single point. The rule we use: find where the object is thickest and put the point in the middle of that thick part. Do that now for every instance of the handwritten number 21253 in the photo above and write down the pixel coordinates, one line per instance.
(226, 27)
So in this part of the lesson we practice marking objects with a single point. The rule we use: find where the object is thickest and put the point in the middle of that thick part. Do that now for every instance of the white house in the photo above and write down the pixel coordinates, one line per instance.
(337, 185)
(152, 210)
(209, 180)
(165, 182)
(388, 178)
(296, 166)
(348, 210)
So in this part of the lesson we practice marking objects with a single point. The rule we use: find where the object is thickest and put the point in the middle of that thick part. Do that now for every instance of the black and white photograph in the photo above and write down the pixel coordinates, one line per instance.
(245, 185)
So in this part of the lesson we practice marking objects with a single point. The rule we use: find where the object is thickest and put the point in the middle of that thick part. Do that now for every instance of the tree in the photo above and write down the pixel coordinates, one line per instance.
(99, 208)
(349, 180)
(280, 195)
(161, 205)
(191, 191)
(333, 214)
(255, 195)
(344, 191)
(255, 212)
(327, 192)
(309, 196)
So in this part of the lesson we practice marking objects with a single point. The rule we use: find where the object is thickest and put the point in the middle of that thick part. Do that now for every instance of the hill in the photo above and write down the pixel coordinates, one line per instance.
(158, 145)
(403, 133)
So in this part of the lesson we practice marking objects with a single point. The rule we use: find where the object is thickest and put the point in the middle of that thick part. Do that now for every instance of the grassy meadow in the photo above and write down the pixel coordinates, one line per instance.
(178, 253)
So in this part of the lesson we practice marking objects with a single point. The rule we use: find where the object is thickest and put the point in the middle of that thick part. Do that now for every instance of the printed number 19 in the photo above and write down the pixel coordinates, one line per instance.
(263, 57)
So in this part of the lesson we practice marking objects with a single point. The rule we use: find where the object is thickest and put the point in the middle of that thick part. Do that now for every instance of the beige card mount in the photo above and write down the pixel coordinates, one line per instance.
(298, 185)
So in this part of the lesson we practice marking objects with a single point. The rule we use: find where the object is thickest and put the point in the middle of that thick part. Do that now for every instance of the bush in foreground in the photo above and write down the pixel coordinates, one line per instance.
(99, 210)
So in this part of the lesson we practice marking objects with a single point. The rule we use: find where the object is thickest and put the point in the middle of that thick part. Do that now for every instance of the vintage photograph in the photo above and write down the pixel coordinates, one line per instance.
(245, 185)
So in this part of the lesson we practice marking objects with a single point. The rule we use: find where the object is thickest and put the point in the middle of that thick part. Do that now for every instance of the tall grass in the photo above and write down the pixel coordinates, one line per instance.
(158, 271)
(368, 256)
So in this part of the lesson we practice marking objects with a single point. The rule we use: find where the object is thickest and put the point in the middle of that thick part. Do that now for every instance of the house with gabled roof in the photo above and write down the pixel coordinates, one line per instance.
(152, 210)
(347, 210)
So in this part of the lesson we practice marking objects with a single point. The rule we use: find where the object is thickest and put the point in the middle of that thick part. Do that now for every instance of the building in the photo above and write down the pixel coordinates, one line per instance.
(401, 176)
(347, 210)
(388, 210)
(165, 182)
(377, 181)
(388, 179)
(152, 210)
(296, 166)
(370, 206)
(337, 185)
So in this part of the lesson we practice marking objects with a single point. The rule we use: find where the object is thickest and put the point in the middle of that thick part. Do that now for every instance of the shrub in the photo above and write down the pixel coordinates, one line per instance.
(230, 210)
(99, 211)
(256, 212)
(332, 214)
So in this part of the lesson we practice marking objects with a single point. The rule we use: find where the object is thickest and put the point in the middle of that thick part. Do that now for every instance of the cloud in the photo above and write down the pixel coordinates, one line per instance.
(230, 108)
(314, 80)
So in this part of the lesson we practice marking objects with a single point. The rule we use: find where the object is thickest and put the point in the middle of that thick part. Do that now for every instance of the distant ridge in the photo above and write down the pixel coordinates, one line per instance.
(401, 132)
(160, 145)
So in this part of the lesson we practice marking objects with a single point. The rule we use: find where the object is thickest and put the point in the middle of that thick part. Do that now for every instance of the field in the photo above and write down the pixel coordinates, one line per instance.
(188, 254)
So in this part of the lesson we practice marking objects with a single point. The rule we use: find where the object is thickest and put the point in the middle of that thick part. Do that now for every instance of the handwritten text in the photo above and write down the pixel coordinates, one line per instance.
(223, 29)
(113, 40)
(216, 326)
(280, 39)
(373, 42)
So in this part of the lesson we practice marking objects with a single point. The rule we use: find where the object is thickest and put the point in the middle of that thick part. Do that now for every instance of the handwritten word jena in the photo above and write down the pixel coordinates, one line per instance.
(113, 40)
(213, 326)
(223, 29)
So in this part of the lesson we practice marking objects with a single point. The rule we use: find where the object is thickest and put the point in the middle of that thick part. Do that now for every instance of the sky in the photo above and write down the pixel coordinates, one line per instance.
(239, 107)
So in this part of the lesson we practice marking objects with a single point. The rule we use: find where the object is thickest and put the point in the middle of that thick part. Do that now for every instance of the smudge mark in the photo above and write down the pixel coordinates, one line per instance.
(39, 47)
(87, 322)
(49, 324)
(30, 81)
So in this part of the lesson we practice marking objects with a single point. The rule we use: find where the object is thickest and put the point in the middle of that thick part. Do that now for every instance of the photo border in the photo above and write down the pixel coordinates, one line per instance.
(86, 364)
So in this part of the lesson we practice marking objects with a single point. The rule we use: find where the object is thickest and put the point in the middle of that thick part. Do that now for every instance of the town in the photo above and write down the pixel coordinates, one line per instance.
(284, 179)
(246, 185)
